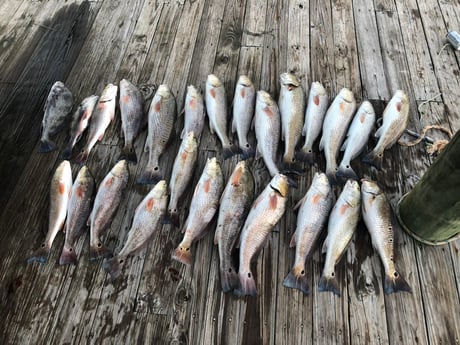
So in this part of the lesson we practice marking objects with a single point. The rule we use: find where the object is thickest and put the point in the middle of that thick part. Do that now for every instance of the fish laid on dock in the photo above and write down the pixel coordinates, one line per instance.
(193, 113)
(57, 109)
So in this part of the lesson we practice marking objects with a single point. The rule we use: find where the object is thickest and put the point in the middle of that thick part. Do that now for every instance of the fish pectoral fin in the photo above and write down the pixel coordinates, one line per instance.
(292, 244)
(209, 214)
(233, 125)
(321, 143)
(345, 143)
(379, 131)
(325, 245)
(299, 203)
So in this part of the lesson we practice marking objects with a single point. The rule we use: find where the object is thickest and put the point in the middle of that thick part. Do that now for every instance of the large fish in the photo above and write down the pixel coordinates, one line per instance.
(216, 107)
(313, 213)
(395, 119)
(378, 219)
(193, 113)
(80, 122)
(292, 108)
(357, 137)
(342, 225)
(318, 101)
(100, 120)
(267, 127)
(335, 125)
(57, 108)
(132, 118)
(203, 206)
(60, 192)
(264, 214)
(162, 114)
(146, 221)
(243, 112)
(106, 202)
(77, 214)
(182, 173)
(234, 207)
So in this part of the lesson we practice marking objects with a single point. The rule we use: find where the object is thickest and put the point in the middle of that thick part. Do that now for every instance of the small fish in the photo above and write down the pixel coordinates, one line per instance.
(193, 113)
(77, 214)
(60, 192)
(342, 225)
(80, 122)
(216, 107)
(267, 127)
(234, 207)
(100, 120)
(243, 112)
(162, 114)
(57, 108)
(132, 118)
(264, 214)
(106, 202)
(292, 107)
(203, 206)
(313, 213)
(338, 117)
(378, 219)
(395, 119)
(318, 101)
(147, 220)
(357, 137)
(182, 173)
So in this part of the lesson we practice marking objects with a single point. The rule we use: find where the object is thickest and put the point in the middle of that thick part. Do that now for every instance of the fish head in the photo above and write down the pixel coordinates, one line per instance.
(351, 193)
(289, 81)
(121, 169)
(244, 81)
(370, 187)
(321, 183)
(192, 92)
(84, 173)
(64, 167)
(213, 81)
(264, 98)
(347, 95)
(164, 91)
(160, 190)
(213, 167)
(109, 93)
(241, 174)
(317, 89)
(280, 184)
(401, 101)
(367, 108)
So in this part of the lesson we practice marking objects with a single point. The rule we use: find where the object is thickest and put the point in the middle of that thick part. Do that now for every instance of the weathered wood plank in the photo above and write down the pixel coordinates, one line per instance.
(254, 24)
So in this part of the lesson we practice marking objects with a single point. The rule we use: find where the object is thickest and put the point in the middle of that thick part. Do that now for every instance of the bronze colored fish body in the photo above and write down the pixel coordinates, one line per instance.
(265, 213)
(313, 214)
(395, 119)
(106, 202)
(342, 225)
(60, 192)
(57, 109)
(357, 137)
(78, 212)
(146, 221)
(203, 206)
(292, 108)
(216, 108)
(267, 127)
(317, 104)
(182, 173)
(194, 113)
(234, 207)
(132, 117)
(243, 113)
(80, 122)
(100, 120)
(162, 114)
(378, 219)
(338, 117)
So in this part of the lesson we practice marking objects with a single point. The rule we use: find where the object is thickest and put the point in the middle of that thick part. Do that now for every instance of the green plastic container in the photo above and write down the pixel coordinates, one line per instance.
(431, 211)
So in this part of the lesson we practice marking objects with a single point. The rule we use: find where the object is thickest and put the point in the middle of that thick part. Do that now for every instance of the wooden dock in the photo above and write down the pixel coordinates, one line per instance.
(372, 47)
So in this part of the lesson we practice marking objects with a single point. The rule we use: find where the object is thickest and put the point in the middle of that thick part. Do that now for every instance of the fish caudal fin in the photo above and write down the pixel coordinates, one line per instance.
(172, 218)
(47, 146)
(67, 153)
(374, 159)
(229, 151)
(247, 286)
(297, 282)
(99, 251)
(346, 172)
(305, 155)
(247, 152)
(150, 176)
(331, 176)
(394, 283)
(41, 255)
(113, 266)
(82, 157)
(329, 284)
(68, 256)
(183, 254)
(228, 278)
(129, 154)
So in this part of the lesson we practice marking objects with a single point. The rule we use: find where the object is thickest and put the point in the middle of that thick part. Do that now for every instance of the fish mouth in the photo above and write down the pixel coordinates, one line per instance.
(245, 81)
(214, 81)
(289, 80)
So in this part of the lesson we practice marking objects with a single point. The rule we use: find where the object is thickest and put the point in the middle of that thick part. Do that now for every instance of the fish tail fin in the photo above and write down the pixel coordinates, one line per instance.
(394, 282)
(47, 146)
(374, 158)
(347, 172)
(230, 151)
(306, 155)
(247, 286)
(183, 254)
(331, 175)
(68, 256)
(129, 154)
(228, 278)
(67, 153)
(41, 255)
(82, 157)
(99, 251)
(172, 217)
(113, 266)
(329, 284)
(247, 152)
(151, 175)
(297, 282)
